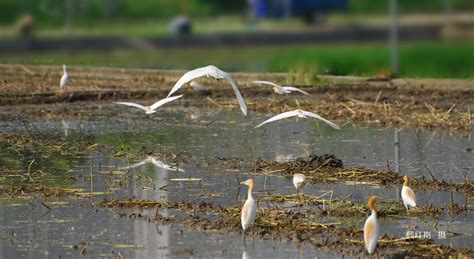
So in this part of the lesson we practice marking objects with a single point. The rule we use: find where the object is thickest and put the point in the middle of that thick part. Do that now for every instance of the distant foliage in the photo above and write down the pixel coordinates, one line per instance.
(54, 12)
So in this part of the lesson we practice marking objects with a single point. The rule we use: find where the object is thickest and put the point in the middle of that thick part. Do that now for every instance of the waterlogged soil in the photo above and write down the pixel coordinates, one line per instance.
(98, 179)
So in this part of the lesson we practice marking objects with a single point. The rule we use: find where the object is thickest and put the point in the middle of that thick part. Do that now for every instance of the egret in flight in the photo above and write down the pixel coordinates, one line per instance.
(152, 108)
(300, 114)
(408, 196)
(64, 79)
(210, 71)
(281, 89)
(371, 227)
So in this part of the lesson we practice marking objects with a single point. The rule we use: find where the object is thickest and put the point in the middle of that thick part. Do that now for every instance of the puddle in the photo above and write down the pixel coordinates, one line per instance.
(73, 227)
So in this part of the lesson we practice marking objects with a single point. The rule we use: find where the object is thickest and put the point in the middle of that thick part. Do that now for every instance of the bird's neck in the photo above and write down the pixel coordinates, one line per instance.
(250, 196)
(374, 212)
(405, 183)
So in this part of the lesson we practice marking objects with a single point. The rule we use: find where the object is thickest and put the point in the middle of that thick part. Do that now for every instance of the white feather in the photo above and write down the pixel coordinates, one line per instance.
(372, 240)
(407, 200)
(281, 89)
(299, 113)
(151, 109)
(212, 71)
(64, 78)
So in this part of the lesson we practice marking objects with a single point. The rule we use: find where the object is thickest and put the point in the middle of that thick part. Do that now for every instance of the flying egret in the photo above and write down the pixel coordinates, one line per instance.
(64, 79)
(408, 196)
(152, 108)
(281, 89)
(249, 210)
(154, 161)
(300, 114)
(371, 227)
(210, 71)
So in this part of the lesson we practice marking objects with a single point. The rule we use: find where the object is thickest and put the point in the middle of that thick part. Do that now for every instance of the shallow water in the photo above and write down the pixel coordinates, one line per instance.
(27, 228)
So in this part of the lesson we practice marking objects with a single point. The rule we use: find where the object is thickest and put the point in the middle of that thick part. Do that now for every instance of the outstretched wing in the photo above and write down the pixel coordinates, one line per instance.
(267, 83)
(314, 115)
(279, 117)
(136, 105)
(240, 99)
(291, 89)
(190, 75)
(163, 101)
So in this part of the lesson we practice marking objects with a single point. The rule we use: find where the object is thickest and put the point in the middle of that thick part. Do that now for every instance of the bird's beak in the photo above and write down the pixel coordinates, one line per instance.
(244, 182)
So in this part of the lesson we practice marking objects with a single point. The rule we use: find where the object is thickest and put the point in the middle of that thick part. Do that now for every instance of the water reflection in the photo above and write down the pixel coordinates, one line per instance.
(154, 161)
(229, 135)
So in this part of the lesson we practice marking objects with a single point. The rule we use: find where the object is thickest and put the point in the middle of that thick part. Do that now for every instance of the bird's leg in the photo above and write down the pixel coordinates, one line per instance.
(243, 233)
(253, 238)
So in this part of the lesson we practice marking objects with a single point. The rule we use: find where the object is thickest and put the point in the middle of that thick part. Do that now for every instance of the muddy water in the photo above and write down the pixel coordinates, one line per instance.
(72, 226)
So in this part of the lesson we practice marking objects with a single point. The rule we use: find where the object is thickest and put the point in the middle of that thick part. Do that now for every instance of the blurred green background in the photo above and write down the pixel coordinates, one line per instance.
(449, 57)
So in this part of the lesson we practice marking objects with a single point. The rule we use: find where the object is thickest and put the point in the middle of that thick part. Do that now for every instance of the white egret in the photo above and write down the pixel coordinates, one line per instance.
(152, 108)
(210, 71)
(249, 210)
(197, 87)
(281, 89)
(299, 181)
(64, 79)
(371, 227)
(154, 161)
(300, 114)
(408, 196)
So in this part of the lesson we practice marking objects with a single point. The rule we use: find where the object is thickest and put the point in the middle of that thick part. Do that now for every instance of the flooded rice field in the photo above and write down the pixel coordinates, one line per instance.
(117, 182)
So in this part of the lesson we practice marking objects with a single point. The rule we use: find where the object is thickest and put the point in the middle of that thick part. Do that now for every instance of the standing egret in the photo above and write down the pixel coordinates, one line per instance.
(299, 182)
(249, 210)
(408, 196)
(152, 108)
(64, 79)
(281, 89)
(371, 227)
(210, 71)
(300, 114)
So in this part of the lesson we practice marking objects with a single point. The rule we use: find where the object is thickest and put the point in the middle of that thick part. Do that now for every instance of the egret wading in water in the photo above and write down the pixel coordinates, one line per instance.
(300, 114)
(408, 196)
(281, 89)
(210, 71)
(64, 79)
(371, 227)
(152, 108)
(299, 182)
(249, 210)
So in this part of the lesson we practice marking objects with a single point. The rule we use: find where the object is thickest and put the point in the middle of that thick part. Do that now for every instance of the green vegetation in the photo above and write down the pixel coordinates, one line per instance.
(430, 59)
(56, 12)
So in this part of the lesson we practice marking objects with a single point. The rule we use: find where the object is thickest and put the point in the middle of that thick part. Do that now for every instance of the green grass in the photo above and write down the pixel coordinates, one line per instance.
(430, 59)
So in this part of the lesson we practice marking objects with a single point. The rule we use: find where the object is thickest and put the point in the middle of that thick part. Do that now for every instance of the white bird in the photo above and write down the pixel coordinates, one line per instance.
(371, 227)
(249, 210)
(300, 114)
(281, 89)
(408, 196)
(210, 71)
(298, 181)
(152, 108)
(64, 79)
(197, 87)
(154, 161)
